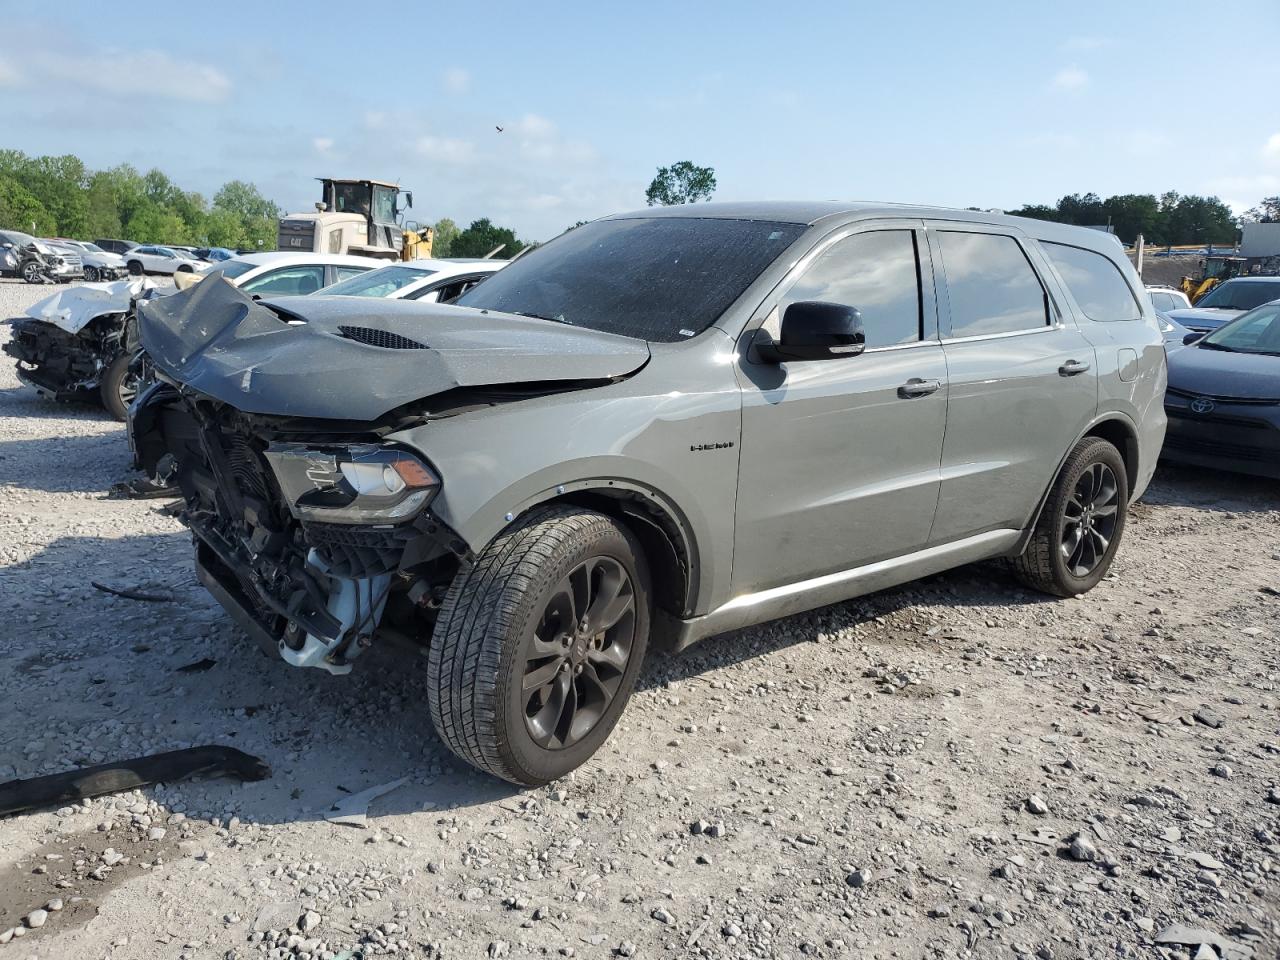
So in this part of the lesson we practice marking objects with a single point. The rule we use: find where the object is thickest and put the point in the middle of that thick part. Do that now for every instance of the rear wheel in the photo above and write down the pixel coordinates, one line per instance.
(118, 387)
(538, 645)
(135, 268)
(1081, 524)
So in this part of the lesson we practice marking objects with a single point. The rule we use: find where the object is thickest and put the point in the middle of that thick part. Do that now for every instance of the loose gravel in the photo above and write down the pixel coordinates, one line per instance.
(956, 768)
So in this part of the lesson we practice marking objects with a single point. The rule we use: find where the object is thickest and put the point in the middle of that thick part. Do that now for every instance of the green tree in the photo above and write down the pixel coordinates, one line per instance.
(21, 211)
(481, 237)
(444, 233)
(1035, 211)
(259, 217)
(1131, 214)
(681, 182)
(1268, 211)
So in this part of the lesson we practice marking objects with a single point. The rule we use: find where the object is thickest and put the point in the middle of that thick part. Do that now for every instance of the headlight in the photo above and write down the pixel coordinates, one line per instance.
(361, 483)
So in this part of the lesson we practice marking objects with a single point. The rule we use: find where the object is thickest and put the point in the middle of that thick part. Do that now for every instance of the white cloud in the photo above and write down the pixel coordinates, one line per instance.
(1070, 78)
(322, 144)
(132, 74)
(445, 149)
(540, 140)
(1271, 149)
(457, 80)
(9, 76)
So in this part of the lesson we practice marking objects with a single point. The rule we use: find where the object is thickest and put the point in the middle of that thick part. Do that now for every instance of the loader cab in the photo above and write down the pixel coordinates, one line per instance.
(375, 201)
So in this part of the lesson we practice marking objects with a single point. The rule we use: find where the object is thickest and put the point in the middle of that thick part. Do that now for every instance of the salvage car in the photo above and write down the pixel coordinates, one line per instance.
(656, 427)
(1223, 399)
(431, 281)
(156, 259)
(78, 344)
(35, 261)
(99, 265)
(286, 274)
(1227, 301)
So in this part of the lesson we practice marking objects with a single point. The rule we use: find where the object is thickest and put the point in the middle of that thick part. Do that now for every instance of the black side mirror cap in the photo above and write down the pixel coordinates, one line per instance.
(1191, 338)
(815, 330)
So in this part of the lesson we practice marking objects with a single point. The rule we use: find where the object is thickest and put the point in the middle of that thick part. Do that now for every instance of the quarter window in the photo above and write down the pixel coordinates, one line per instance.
(991, 285)
(878, 273)
(1096, 283)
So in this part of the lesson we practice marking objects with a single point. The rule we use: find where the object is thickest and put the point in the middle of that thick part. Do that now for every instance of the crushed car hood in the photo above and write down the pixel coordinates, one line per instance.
(1217, 373)
(357, 358)
(73, 308)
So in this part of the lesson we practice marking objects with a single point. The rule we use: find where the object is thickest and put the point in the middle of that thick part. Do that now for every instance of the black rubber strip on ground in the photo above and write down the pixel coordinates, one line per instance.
(17, 796)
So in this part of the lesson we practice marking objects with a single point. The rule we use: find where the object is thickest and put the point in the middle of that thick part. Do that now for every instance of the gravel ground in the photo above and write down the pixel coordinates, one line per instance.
(958, 768)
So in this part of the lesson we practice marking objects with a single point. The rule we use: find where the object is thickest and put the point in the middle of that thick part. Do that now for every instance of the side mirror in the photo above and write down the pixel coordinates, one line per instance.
(813, 330)
(408, 199)
(1191, 338)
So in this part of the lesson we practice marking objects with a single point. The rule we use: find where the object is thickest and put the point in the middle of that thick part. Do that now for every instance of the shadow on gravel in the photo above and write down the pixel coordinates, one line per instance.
(79, 463)
(1186, 486)
(23, 401)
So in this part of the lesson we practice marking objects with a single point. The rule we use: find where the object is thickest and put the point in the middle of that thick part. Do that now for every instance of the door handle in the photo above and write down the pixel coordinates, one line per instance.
(1072, 367)
(915, 387)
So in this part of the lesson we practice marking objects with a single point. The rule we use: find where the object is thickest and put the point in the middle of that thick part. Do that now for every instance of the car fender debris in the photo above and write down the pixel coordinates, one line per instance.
(70, 786)
(133, 594)
(353, 811)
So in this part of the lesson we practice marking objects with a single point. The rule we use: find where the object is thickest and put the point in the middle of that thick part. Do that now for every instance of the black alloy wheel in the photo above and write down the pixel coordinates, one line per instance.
(578, 652)
(1090, 520)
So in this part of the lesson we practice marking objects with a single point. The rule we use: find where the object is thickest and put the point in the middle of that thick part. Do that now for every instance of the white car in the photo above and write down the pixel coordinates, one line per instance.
(432, 281)
(157, 259)
(283, 274)
(98, 263)
(1165, 299)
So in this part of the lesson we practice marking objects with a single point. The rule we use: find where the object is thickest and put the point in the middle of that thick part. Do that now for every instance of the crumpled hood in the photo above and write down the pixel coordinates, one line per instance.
(1217, 373)
(1204, 317)
(73, 308)
(357, 358)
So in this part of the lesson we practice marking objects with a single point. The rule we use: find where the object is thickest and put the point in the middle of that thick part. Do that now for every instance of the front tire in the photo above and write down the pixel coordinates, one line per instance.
(118, 387)
(90, 274)
(1081, 525)
(32, 272)
(135, 268)
(538, 645)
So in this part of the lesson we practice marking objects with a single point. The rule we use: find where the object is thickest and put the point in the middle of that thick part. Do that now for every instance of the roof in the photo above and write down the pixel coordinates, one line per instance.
(303, 256)
(379, 183)
(811, 212)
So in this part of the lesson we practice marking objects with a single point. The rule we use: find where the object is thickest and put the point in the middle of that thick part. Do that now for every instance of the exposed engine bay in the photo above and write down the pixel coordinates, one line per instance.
(64, 365)
(315, 591)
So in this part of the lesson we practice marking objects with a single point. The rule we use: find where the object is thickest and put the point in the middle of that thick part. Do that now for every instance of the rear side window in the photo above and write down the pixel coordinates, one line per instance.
(991, 285)
(1096, 283)
(876, 272)
(1162, 301)
(287, 282)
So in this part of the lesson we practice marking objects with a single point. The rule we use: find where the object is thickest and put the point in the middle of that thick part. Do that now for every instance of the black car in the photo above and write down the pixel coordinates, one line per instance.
(1223, 398)
(116, 246)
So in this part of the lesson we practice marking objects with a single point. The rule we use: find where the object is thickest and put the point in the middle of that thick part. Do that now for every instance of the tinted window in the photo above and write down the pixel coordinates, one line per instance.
(287, 281)
(1096, 283)
(990, 284)
(875, 272)
(1241, 294)
(661, 278)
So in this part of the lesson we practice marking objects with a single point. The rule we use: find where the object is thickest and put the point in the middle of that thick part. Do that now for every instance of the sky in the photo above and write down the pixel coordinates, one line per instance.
(978, 104)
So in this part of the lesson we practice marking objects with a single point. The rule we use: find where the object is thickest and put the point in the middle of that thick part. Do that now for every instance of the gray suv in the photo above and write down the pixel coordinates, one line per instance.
(659, 426)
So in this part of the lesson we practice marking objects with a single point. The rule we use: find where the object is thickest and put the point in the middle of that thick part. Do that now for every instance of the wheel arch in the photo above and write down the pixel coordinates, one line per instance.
(663, 532)
(1116, 429)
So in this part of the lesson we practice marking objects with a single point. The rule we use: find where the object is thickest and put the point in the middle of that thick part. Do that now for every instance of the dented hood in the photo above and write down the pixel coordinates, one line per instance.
(72, 309)
(357, 358)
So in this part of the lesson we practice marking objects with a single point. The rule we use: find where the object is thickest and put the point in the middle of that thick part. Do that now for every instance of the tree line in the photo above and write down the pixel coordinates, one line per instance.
(1170, 218)
(61, 197)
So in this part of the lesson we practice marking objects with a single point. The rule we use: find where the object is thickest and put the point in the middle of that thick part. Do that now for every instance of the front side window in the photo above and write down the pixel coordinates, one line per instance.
(286, 282)
(663, 279)
(1096, 283)
(879, 274)
(1240, 295)
(990, 284)
(377, 283)
(384, 205)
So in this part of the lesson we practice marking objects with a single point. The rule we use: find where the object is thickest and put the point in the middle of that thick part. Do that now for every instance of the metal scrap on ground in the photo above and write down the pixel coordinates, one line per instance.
(353, 811)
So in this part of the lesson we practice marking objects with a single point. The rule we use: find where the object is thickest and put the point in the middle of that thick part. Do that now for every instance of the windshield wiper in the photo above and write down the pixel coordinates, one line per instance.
(542, 316)
(1218, 346)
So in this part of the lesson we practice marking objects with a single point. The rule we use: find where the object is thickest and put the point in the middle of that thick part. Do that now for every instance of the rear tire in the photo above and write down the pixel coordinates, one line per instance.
(135, 268)
(1081, 525)
(538, 645)
(118, 387)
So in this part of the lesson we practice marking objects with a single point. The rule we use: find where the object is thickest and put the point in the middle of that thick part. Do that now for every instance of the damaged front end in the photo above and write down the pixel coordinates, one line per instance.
(62, 365)
(316, 538)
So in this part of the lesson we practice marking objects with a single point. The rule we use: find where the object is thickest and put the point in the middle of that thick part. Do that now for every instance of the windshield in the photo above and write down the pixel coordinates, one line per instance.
(1237, 295)
(1258, 331)
(378, 283)
(663, 278)
(230, 268)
